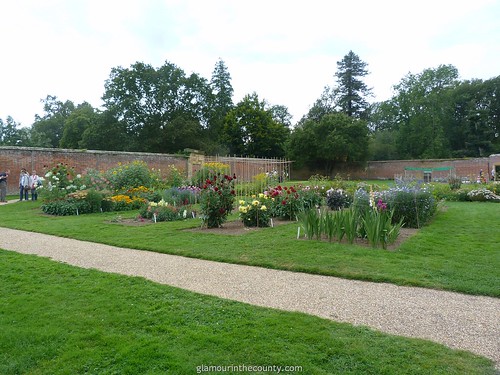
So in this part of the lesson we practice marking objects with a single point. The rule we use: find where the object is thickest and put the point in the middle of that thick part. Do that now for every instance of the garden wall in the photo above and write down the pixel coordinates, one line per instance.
(387, 170)
(42, 159)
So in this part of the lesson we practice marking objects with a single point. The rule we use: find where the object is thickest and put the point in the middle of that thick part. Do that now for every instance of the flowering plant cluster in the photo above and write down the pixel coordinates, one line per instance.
(255, 213)
(414, 205)
(285, 202)
(59, 181)
(483, 195)
(217, 199)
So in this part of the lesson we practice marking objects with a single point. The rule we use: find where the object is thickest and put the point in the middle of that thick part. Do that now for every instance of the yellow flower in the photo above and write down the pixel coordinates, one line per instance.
(261, 195)
(243, 209)
(242, 202)
(255, 203)
(263, 208)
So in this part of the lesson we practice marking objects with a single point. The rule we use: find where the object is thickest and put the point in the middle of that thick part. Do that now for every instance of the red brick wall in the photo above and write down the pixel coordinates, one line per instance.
(42, 159)
(374, 170)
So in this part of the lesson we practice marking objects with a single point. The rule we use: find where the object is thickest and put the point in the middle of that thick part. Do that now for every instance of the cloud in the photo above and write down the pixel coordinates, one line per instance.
(284, 51)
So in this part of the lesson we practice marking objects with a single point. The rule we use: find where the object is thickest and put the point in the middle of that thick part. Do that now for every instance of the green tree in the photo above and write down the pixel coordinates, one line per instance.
(250, 130)
(352, 91)
(418, 114)
(75, 125)
(147, 100)
(106, 133)
(222, 98)
(47, 130)
(333, 142)
(11, 134)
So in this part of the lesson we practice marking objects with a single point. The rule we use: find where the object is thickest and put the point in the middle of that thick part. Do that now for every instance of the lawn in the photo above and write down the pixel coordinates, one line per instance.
(458, 251)
(60, 319)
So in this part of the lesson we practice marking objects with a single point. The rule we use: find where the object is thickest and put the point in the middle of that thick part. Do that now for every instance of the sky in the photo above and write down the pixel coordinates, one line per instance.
(285, 51)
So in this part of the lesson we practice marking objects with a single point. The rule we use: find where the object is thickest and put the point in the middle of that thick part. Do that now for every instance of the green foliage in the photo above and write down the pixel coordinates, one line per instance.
(454, 182)
(66, 207)
(414, 206)
(334, 140)
(175, 177)
(60, 181)
(162, 211)
(286, 202)
(207, 170)
(249, 129)
(130, 175)
(482, 195)
(255, 213)
(162, 108)
(337, 199)
(181, 196)
(352, 91)
(216, 199)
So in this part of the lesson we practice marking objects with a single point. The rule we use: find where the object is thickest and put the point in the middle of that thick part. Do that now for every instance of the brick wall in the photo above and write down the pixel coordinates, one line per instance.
(42, 159)
(375, 170)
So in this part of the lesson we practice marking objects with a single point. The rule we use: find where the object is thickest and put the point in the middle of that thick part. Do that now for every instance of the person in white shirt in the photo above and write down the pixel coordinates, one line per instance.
(34, 183)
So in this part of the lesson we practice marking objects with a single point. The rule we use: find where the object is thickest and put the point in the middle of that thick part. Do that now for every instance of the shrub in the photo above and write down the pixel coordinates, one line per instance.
(216, 199)
(124, 177)
(483, 195)
(181, 196)
(412, 204)
(454, 182)
(209, 170)
(59, 181)
(162, 211)
(311, 197)
(286, 202)
(66, 207)
(337, 199)
(255, 213)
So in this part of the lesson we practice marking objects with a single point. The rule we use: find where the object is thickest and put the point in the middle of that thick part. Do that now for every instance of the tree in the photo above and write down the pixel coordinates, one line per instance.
(352, 91)
(221, 102)
(418, 114)
(147, 100)
(106, 133)
(11, 134)
(334, 141)
(249, 129)
(75, 125)
(47, 130)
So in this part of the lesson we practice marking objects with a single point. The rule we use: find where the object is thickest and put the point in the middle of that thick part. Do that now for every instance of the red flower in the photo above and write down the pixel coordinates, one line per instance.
(279, 187)
(208, 182)
(233, 192)
(204, 186)
(283, 202)
(222, 210)
(216, 188)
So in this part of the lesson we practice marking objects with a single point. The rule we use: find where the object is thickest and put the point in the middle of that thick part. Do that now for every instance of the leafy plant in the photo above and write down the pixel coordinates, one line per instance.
(132, 175)
(337, 199)
(217, 199)
(255, 213)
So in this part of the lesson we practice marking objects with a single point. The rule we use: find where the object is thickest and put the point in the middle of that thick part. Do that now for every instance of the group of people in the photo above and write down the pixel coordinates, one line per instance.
(27, 184)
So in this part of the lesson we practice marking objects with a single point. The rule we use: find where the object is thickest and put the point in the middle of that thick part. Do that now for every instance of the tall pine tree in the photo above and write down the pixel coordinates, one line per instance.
(352, 91)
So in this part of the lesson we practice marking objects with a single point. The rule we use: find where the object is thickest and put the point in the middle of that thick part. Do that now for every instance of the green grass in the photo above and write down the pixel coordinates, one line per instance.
(458, 251)
(60, 319)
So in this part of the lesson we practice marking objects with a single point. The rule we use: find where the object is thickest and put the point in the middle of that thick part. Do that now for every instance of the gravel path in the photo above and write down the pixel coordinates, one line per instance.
(459, 321)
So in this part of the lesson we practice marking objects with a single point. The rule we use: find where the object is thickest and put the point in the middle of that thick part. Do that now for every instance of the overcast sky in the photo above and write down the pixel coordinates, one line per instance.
(285, 51)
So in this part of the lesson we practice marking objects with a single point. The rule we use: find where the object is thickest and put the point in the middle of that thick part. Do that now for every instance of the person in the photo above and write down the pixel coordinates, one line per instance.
(3, 185)
(24, 184)
(34, 183)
